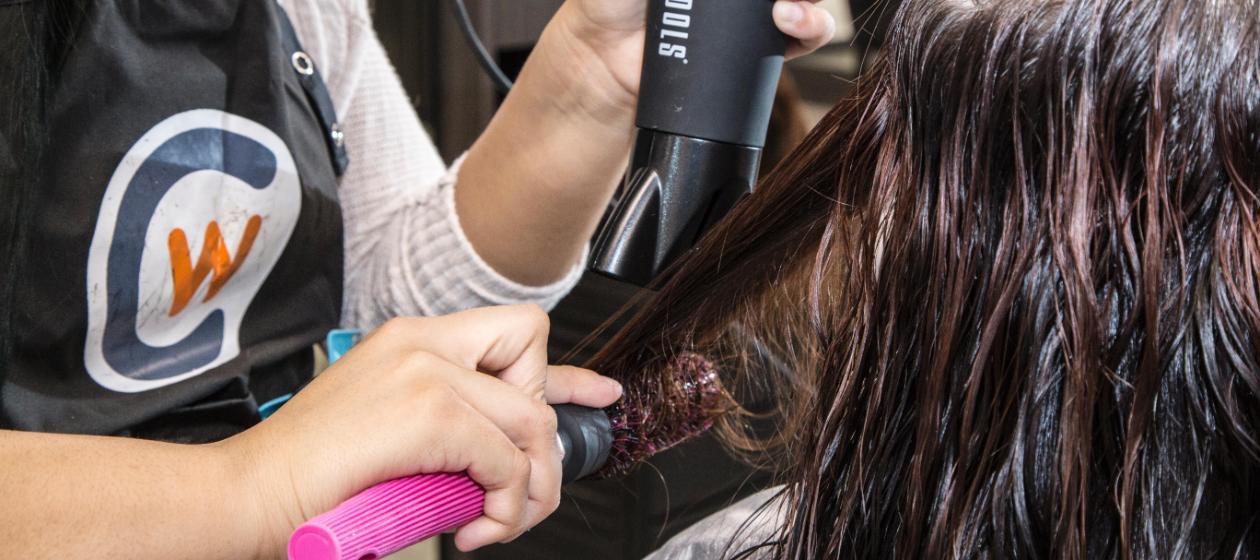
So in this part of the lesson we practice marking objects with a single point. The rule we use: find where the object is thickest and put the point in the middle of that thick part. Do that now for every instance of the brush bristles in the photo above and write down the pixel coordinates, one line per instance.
(656, 415)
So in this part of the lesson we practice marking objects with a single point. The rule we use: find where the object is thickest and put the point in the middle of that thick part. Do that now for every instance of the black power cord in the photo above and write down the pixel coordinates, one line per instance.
(501, 81)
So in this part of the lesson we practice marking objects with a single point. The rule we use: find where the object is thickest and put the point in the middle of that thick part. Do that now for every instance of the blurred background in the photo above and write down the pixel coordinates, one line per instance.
(623, 519)
(456, 100)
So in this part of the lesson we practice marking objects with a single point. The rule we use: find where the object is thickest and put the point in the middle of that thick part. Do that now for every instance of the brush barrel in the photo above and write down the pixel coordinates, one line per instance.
(394, 515)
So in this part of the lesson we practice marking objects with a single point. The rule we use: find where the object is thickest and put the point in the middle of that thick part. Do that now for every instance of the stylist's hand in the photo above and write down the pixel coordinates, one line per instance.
(613, 31)
(458, 393)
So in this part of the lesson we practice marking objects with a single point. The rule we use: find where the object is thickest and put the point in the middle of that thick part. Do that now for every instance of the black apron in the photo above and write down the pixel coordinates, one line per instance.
(186, 252)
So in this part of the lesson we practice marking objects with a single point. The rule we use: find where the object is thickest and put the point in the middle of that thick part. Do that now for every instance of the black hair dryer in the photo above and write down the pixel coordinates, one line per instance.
(710, 72)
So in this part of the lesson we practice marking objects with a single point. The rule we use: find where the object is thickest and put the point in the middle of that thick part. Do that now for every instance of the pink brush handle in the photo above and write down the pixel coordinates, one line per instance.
(389, 517)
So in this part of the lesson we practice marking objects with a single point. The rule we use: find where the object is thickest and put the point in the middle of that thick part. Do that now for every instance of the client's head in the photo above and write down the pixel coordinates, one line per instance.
(1006, 297)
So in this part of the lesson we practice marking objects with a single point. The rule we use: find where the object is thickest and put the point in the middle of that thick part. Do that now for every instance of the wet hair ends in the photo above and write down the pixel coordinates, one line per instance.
(35, 35)
(22, 95)
(1006, 296)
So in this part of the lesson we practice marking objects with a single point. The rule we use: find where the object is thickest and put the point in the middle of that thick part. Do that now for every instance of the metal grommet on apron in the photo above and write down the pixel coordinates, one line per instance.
(303, 64)
(189, 225)
(317, 93)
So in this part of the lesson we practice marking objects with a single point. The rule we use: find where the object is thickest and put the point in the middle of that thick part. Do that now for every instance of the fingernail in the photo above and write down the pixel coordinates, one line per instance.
(616, 385)
(788, 12)
(560, 446)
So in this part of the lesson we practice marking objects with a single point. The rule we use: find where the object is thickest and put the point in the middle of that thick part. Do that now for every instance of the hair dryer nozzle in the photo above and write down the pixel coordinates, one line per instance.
(709, 76)
(677, 188)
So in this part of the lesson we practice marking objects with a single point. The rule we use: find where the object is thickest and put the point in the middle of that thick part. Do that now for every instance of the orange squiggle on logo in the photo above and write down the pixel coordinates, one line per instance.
(215, 261)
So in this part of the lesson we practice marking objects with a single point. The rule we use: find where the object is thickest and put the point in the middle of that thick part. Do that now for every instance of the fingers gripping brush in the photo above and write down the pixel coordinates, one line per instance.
(393, 515)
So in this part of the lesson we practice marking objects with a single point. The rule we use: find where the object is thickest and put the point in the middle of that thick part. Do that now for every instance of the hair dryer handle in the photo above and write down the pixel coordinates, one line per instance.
(389, 517)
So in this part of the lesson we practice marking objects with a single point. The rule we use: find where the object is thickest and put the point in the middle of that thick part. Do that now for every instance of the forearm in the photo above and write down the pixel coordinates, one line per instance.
(93, 497)
(535, 184)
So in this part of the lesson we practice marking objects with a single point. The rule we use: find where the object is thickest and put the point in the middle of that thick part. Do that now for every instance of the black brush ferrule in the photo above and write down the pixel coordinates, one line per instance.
(586, 437)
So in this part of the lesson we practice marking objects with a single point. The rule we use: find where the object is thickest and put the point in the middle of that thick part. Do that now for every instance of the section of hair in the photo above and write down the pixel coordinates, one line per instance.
(659, 412)
(1005, 296)
(22, 92)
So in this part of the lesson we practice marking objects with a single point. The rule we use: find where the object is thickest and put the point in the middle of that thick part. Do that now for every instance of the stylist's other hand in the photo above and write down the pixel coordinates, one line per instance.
(612, 32)
(416, 397)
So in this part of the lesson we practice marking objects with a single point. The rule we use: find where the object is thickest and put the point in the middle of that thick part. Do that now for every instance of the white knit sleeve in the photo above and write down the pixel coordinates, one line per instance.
(405, 253)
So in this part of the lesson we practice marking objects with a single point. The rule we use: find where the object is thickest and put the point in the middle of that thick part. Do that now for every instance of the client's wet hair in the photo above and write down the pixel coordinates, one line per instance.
(35, 36)
(1006, 297)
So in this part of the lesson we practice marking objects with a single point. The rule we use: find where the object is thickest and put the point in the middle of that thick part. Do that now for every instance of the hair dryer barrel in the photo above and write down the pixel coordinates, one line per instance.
(710, 72)
(710, 69)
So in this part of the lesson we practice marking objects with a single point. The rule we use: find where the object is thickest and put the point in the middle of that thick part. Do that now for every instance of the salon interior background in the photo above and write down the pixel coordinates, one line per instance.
(456, 100)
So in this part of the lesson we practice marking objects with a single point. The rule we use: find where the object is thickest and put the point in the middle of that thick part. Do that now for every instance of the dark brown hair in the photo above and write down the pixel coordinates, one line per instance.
(1006, 294)
(35, 35)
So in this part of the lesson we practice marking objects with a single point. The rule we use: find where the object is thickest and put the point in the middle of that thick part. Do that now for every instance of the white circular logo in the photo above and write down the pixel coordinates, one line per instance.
(193, 221)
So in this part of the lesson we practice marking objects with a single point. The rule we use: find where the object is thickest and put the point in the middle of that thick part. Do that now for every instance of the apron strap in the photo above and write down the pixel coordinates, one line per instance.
(316, 93)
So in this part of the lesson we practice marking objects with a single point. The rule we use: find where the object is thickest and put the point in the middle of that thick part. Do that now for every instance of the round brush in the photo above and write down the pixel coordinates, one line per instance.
(393, 515)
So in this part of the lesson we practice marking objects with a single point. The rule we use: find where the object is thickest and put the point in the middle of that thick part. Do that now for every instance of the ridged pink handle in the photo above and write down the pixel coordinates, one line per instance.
(389, 517)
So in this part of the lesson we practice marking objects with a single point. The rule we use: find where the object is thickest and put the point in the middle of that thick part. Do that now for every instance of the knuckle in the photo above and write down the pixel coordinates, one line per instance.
(545, 420)
(429, 386)
(515, 524)
(535, 419)
(420, 362)
(441, 402)
(521, 417)
(504, 527)
(534, 315)
(399, 332)
(393, 329)
(521, 465)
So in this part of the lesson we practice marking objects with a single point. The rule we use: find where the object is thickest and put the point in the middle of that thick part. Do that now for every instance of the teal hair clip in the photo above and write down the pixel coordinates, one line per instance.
(338, 342)
(341, 341)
